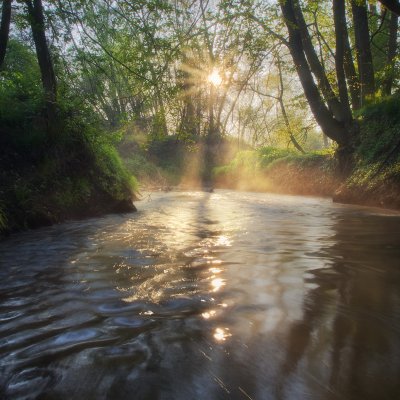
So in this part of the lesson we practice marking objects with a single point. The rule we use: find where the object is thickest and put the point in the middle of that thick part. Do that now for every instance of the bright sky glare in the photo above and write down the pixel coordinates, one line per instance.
(215, 78)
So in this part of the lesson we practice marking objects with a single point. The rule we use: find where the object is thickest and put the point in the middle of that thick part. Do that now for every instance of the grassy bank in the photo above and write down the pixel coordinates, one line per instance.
(376, 176)
(53, 169)
(45, 179)
(375, 179)
(169, 161)
(281, 171)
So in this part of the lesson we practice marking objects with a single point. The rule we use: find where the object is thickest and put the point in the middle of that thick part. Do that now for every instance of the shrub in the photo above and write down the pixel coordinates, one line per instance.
(46, 179)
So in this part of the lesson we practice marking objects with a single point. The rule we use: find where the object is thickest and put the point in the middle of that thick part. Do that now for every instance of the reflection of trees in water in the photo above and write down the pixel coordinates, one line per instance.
(345, 344)
(353, 313)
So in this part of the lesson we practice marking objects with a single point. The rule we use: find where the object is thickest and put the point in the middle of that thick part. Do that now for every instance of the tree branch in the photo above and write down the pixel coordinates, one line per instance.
(392, 5)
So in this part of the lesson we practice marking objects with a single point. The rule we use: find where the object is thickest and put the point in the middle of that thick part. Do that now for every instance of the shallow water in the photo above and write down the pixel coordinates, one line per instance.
(222, 295)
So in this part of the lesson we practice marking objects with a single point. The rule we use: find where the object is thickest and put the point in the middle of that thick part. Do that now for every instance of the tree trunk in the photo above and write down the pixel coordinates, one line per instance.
(352, 78)
(35, 10)
(329, 125)
(4, 29)
(364, 55)
(317, 69)
(293, 139)
(392, 5)
(339, 15)
(188, 125)
(392, 48)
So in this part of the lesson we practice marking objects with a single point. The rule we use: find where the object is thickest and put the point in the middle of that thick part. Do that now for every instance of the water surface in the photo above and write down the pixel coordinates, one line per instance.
(222, 295)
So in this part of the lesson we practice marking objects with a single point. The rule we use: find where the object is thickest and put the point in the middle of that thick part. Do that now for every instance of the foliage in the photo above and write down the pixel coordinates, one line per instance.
(270, 154)
(20, 89)
(250, 162)
(46, 179)
(145, 170)
(279, 170)
(378, 155)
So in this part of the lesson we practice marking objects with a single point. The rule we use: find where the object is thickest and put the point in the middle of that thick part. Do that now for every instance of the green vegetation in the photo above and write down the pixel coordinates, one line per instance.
(376, 177)
(169, 161)
(76, 172)
(374, 180)
(280, 170)
(157, 162)
(182, 89)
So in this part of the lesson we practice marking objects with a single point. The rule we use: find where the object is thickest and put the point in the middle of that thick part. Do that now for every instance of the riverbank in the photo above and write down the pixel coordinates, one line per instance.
(74, 174)
(79, 189)
(79, 173)
(374, 180)
(315, 175)
(279, 171)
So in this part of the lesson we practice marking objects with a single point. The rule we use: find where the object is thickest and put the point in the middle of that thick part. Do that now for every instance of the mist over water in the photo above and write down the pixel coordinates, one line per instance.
(225, 295)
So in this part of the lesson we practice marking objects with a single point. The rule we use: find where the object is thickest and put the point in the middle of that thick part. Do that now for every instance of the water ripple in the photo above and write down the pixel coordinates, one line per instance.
(200, 295)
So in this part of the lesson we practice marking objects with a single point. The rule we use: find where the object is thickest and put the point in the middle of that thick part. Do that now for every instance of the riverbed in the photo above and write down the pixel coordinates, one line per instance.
(224, 295)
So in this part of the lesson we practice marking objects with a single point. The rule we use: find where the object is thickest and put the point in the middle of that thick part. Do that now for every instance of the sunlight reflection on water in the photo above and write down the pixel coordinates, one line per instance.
(203, 296)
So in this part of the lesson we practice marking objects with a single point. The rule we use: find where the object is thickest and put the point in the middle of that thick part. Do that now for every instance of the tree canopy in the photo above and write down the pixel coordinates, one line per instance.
(264, 72)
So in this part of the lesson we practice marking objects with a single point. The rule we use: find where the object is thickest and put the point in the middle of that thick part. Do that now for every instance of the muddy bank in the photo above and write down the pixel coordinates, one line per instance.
(385, 195)
(319, 179)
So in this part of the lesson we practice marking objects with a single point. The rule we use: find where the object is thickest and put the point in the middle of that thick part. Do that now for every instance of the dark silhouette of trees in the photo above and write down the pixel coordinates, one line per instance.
(4, 29)
(36, 19)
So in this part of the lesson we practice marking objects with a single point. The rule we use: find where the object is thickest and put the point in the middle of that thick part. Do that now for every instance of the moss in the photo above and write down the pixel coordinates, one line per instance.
(113, 177)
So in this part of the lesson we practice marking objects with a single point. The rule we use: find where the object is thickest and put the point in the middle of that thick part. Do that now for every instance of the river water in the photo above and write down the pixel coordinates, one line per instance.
(223, 295)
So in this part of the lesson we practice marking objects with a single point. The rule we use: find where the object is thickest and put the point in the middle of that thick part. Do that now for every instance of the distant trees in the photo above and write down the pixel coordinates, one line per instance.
(146, 64)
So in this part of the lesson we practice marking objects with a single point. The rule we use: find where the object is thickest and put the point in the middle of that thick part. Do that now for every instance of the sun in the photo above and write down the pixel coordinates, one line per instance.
(214, 78)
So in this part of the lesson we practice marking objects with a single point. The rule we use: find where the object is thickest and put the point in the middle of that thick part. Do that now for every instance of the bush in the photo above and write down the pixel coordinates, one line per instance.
(113, 177)
(270, 154)
(378, 155)
(46, 179)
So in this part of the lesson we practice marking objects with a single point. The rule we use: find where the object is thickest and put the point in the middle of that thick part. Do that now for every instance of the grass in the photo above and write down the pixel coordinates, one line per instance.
(376, 176)
(280, 170)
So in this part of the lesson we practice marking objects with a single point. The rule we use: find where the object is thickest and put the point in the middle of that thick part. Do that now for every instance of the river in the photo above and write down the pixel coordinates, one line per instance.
(225, 295)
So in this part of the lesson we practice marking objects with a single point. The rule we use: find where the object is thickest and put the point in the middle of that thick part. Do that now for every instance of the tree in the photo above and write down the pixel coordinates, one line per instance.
(333, 103)
(391, 53)
(36, 19)
(339, 14)
(392, 5)
(4, 29)
(363, 48)
(333, 128)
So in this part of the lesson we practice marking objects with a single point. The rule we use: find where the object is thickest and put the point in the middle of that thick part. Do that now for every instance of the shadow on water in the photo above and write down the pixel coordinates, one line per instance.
(347, 341)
